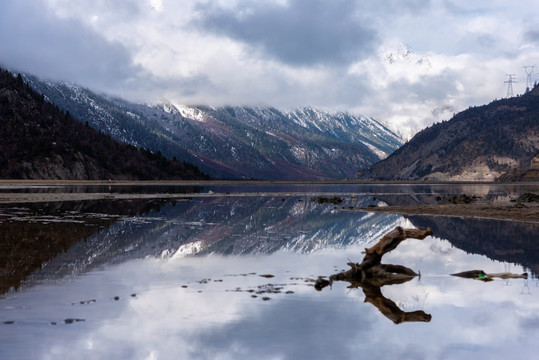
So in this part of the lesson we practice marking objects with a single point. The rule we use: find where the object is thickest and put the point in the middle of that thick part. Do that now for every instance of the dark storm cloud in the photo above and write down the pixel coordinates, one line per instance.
(303, 32)
(33, 39)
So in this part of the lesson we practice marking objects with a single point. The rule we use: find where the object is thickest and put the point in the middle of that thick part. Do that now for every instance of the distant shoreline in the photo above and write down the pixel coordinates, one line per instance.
(15, 182)
(523, 212)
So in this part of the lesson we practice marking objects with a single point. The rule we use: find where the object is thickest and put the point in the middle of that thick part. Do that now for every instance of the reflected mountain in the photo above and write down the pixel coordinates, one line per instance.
(34, 234)
(73, 238)
(224, 225)
(498, 240)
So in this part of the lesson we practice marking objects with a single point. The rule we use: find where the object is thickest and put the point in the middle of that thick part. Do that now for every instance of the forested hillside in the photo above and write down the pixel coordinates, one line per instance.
(38, 141)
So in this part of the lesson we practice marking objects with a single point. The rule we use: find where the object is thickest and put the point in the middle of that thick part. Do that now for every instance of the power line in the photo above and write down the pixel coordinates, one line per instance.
(510, 81)
(529, 72)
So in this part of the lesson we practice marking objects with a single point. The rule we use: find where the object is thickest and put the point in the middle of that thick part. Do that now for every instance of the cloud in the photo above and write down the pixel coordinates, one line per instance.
(298, 33)
(33, 39)
(530, 324)
(434, 87)
(303, 332)
(283, 53)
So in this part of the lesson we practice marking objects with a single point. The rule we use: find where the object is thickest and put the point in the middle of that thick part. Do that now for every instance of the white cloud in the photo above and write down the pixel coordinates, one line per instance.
(285, 54)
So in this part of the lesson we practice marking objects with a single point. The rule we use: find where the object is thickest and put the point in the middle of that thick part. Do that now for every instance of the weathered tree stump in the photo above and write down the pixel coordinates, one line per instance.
(371, 275)
(371, 266)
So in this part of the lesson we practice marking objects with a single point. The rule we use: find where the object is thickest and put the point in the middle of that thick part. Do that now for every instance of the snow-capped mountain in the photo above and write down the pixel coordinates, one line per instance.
(350, 128)
(235, 142)
(397, 53)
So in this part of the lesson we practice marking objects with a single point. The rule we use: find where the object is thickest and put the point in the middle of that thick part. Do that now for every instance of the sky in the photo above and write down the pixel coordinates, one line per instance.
(408, 64)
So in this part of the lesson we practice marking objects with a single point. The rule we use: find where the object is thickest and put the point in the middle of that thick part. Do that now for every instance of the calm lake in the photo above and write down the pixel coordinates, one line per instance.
(230, 275)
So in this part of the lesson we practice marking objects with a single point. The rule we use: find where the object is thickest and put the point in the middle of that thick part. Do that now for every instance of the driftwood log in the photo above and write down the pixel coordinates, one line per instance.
(371, 275)
(371, 268)
(481, 275)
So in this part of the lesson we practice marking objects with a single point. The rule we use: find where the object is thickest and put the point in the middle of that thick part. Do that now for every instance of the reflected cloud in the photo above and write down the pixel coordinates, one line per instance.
(203, 308)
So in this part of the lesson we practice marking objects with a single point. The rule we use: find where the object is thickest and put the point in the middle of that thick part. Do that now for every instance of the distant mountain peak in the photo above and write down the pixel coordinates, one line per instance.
(400, 53)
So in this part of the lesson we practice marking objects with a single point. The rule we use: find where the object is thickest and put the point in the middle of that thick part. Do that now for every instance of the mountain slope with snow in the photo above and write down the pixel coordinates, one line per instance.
(235, 142)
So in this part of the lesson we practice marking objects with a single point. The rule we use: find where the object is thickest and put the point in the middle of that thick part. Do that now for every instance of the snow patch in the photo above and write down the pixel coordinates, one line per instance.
(188, 249)
(192, 113)
(381, 154)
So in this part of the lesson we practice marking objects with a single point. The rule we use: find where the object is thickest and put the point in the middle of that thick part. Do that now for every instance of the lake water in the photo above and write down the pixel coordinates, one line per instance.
(231, 277)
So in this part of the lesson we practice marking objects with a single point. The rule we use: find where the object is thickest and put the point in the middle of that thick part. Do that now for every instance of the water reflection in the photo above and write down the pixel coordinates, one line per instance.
(223, 225)
(233, 278)
(371, 274)
(204, 308)
(233, 226)
(34, 234)
(499, 240)
(373, 294)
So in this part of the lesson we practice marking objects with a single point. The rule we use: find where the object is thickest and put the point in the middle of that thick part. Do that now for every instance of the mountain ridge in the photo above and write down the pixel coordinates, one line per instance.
(235, 142)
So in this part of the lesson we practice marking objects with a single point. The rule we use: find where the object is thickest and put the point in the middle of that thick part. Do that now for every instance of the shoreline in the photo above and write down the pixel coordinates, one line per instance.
(513, 211)
(522, 212)
(16, 182)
